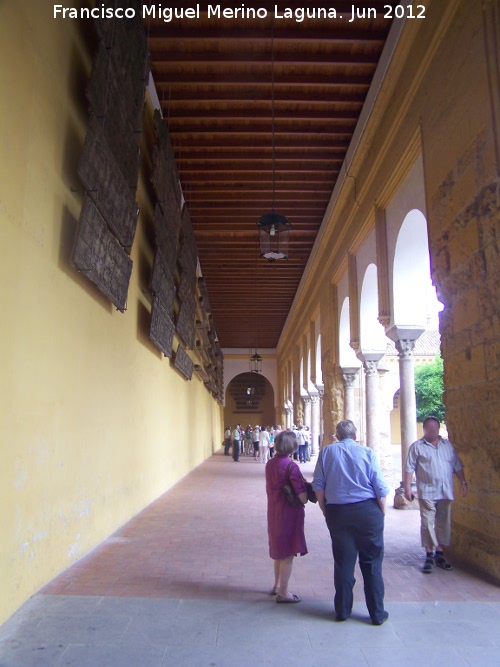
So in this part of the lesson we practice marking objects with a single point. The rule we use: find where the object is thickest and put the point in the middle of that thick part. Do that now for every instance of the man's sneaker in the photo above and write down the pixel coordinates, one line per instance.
(429, 564)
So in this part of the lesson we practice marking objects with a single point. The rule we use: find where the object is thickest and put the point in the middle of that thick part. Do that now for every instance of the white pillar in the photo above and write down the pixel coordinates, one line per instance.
(407, 399)
(315, 424)
(307, 411)
(384, 424)
(321, 393)
(404, 338)
(372, 398)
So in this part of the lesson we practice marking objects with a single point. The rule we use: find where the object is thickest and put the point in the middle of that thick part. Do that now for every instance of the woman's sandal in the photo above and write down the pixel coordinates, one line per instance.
(428, 565)
(283, 600)
(442, 562)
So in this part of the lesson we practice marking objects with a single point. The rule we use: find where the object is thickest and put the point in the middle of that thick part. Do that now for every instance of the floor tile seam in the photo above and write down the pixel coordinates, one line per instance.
(66, 650)
(365, 657)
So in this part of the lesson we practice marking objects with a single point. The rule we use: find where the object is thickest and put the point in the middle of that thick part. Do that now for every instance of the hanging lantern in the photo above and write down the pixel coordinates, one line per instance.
(274, 228)
(273, 236)
(256, 363)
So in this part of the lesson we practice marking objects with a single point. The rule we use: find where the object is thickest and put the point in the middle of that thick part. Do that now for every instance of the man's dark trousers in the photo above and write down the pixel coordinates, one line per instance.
(357, 528)
(236, 450)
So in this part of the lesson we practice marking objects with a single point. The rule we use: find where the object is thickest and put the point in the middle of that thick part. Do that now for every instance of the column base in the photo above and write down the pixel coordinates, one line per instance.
(400, 502)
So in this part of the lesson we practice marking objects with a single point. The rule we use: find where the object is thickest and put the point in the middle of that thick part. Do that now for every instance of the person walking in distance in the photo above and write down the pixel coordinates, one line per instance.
(434, 461)
(236, 443)
(301, 439)
(351, 493)
(264, 442)
(256, 440)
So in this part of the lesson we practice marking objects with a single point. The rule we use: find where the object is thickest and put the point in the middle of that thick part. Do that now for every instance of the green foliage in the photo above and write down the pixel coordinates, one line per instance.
(429, 390)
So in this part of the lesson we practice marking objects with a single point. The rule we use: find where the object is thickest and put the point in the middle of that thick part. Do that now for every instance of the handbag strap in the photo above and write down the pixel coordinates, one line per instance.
(288, 474)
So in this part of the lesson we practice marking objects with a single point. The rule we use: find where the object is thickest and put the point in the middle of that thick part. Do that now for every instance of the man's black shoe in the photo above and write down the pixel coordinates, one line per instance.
(383, 620)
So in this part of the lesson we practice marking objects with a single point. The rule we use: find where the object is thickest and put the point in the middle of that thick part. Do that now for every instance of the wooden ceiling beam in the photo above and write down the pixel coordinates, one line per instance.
(306, 221)
(249, 154)
(250, 189)
(253, 206)
(246, 177)
(283, 126)
(173, 51)
(193, 166)
(255, 210)
(257, 195)
(332, 79)
(286, 31)
(234, 114)
(297, 141)
(257, 93)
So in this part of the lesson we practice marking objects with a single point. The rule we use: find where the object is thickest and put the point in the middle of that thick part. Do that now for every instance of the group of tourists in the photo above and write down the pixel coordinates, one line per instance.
(258, 442)
(351, 492)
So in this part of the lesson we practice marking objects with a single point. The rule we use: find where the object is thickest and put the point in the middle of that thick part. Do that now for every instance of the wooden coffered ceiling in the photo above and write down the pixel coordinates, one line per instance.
(213, 79)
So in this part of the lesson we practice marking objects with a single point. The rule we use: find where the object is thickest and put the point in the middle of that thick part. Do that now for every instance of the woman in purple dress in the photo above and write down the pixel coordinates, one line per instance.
(285, 523)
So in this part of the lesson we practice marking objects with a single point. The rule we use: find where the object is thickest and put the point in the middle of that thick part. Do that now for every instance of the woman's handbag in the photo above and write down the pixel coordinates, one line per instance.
(290, 494)
(311, 493)
(287, 489)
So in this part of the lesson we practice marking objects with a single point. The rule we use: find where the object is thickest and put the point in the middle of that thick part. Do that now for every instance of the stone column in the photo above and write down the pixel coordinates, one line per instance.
(315, 423)
(407, 399)
(349, 375)
(385, 424)
(321, 393)
(298, 409)
(333, 408)
(307, 411)
(404, 339)
(372, 397)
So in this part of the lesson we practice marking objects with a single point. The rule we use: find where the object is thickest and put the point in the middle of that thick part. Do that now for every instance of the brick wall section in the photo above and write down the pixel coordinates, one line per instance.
(466, 269)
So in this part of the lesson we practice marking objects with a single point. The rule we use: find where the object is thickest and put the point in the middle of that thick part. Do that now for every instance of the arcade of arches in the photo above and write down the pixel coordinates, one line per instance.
(93, 414)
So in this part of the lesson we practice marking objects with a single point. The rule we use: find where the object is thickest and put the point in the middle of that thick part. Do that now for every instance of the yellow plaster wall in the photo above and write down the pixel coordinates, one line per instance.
(94, 424)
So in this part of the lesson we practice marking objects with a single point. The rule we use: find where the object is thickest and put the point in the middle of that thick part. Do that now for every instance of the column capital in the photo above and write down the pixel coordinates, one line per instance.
(306, 399)
(314, 399)
(408, 332)
(405, 347)
(371, 367)
(370, 361)
(349, 375)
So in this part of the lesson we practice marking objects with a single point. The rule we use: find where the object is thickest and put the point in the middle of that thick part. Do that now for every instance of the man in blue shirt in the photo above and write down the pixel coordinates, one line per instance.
(351, 493)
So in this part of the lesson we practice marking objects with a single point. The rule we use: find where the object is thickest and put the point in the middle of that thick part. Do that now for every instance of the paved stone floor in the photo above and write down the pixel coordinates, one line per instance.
(185, 582)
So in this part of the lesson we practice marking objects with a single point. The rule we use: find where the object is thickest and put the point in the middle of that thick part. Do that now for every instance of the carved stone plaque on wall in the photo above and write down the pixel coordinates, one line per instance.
(109, 164)
(121, 53)
(165, 241)
(162, 283)
(183, 362)
(185, 325)
(100, 175)
(98, 254)
(162, 328)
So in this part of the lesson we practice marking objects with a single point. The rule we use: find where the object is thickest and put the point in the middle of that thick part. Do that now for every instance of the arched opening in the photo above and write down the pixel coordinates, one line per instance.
(249, 400)
(372, 333)
(319, 371)
(347, 356)
(415, 303)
